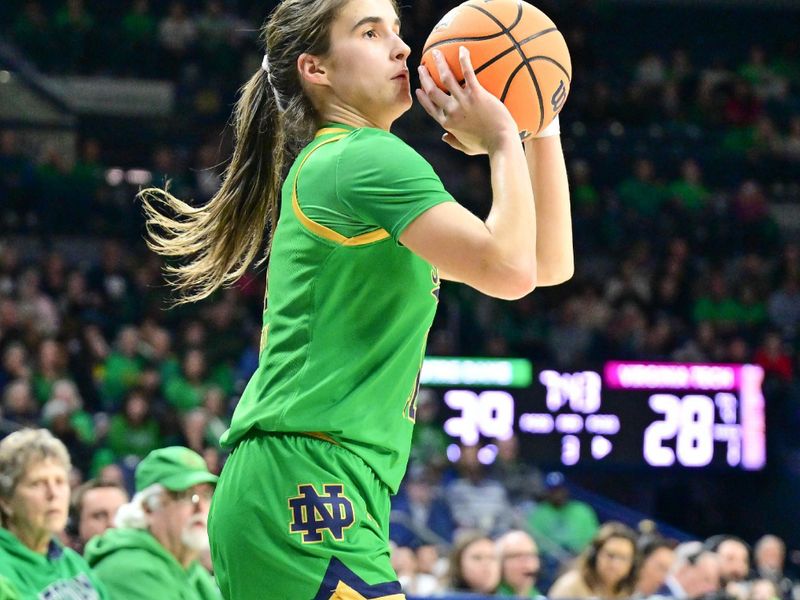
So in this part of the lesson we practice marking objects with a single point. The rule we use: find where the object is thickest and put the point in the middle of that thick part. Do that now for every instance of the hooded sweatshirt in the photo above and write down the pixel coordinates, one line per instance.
(133, 564)
(59, 574)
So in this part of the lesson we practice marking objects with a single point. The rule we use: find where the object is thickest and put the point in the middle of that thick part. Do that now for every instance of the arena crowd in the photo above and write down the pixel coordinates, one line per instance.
(681, 162)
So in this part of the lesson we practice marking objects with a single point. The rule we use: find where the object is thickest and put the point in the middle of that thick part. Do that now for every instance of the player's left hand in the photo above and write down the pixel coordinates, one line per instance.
(475, 120)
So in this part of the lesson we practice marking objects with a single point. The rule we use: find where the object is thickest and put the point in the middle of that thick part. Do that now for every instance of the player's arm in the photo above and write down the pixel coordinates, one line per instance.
(555, 261)
(498, 256)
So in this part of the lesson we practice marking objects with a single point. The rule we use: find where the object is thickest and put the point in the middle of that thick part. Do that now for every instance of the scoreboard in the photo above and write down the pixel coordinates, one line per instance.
(650, 414)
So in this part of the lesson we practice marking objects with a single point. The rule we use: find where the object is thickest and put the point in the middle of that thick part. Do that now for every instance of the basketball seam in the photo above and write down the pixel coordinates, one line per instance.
(555, 62)
(525, 62)
(510, 80)
(463, 39)
(504, 53)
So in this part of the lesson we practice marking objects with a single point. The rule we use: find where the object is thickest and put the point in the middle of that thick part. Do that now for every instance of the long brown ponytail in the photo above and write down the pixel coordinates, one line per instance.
(214, 244)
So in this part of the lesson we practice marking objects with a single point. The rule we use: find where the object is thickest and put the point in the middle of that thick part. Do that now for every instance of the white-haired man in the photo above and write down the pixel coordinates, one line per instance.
(695, 573)
(161, 533)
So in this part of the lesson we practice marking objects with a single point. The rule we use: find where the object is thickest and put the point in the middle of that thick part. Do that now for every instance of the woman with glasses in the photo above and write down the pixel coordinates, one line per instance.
(606, 569)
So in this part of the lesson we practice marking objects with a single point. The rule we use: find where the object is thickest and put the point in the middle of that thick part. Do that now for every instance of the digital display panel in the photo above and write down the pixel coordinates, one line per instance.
(627, 413)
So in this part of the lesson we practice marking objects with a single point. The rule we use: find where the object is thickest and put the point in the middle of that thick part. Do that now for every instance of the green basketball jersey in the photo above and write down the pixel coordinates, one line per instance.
(348, 307)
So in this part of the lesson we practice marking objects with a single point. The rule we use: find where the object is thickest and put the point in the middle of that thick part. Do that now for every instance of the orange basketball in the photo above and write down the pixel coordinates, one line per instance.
(517, 52)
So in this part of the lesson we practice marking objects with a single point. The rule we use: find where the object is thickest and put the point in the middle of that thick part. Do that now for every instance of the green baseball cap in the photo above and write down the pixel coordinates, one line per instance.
(176, 468)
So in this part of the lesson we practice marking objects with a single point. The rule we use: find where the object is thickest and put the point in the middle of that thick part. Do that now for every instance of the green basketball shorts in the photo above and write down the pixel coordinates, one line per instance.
(295, 517)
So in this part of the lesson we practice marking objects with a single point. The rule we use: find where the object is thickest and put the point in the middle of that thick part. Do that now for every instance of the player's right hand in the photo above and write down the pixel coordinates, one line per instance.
(476, 121)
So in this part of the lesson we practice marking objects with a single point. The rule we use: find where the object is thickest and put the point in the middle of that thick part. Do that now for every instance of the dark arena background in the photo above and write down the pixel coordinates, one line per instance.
(660, 386)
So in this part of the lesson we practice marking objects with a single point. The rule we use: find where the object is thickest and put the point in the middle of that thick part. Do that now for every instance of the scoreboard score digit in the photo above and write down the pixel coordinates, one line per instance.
(628, 413)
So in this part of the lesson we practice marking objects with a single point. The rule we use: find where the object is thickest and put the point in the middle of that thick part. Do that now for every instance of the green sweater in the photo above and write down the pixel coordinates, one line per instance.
(61, 574)
(133, 564)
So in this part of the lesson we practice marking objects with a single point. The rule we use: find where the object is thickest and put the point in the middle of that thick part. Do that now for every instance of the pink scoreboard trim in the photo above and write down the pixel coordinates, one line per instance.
(754, 446)
(673, 376)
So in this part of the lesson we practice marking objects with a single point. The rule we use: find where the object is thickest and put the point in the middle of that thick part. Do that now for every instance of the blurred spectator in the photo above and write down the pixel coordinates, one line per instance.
(734, 558)
(689, 190)
(420, 515)
(138, 34)
(33, 32)
(519, 565)
(75, 28)
(642, 194)
(161, 533)
(656, 557)
(93, 506)
(133, 432)
(428, 442)
(763, 589)
(784, 307)
(34, 506)
(63, 414)
(474, 566)
(476, 501)
(177, 34)
(769, 557)
(19, 407)
(185, 391)
(524, 483)
(694, 574)
(560, 524)
(217, 421)
(606, 569)
(404, 562)
(773, 357)
(15, 364)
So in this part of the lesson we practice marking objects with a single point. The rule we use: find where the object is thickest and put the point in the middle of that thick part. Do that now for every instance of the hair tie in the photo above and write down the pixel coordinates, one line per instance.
(265, 68)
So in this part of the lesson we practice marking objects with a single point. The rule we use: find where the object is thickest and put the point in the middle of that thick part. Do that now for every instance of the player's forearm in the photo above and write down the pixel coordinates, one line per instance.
(555, 261)
(513, 214)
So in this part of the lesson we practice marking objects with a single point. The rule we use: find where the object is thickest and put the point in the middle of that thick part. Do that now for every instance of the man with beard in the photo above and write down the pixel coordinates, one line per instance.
(161, 533)
(519, 565)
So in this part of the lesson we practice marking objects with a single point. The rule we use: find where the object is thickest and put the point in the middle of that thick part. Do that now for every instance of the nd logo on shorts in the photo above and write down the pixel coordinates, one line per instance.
(313, 513)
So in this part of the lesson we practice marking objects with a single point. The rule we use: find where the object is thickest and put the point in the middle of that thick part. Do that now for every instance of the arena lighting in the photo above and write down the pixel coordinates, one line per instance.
(636, 414)
(116, 176)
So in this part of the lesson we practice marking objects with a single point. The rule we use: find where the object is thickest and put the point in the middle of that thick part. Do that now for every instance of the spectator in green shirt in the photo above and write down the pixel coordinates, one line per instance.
(717, 305)
(134, 432)
(642, 193)
(689, 191)
(185, 391)
(162, 532)
(560, 524)
(519, 565)
(122, 369)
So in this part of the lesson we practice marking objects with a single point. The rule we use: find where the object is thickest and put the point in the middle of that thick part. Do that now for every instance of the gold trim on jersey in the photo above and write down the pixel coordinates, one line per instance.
(345, 592)
(320, 436)
(329, 130)
(319, 229)
(264, 335)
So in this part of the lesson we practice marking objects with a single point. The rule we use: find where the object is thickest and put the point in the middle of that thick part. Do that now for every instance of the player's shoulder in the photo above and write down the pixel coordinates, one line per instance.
(375, 140)
(371, 146)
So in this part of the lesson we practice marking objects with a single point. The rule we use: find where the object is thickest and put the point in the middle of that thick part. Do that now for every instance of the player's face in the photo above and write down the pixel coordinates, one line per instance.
(40, 501)
(366, 66)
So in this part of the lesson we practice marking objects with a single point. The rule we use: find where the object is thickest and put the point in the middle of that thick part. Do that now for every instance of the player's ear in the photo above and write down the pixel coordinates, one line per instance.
(312, 70)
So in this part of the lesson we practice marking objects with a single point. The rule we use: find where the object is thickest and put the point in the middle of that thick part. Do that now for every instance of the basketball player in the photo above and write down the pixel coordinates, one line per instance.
(365, 233)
